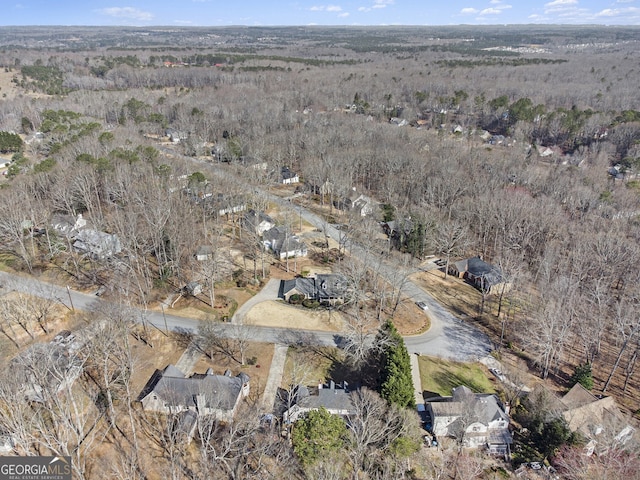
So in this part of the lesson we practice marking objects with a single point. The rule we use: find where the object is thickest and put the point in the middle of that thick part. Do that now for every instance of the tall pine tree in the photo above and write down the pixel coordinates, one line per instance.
(397, 383)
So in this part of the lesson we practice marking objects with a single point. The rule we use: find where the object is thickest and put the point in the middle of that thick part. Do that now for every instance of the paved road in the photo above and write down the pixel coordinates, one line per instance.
(448, 336)
(83, 301)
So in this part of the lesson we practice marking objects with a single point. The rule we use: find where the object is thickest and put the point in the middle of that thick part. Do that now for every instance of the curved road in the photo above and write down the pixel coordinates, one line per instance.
(448, 336)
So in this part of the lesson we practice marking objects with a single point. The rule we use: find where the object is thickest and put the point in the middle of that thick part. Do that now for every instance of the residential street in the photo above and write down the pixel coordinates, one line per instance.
(448, 336)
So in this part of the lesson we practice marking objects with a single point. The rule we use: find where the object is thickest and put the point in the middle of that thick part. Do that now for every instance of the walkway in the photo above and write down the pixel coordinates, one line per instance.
(415, 376)
(188, 360)
(275, 377)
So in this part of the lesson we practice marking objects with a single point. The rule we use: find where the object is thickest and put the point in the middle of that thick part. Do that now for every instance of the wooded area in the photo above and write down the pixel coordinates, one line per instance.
(520, 145)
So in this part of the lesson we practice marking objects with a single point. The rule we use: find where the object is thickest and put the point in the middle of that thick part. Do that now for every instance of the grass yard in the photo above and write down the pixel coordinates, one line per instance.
(439, 377)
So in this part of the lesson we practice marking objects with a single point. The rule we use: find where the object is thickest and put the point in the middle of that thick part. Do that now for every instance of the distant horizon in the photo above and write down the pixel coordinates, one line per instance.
(552, 25)
(307, 13)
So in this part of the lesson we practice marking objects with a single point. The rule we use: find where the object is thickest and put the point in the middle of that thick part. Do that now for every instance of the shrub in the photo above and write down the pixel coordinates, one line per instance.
(308, 303)
(582, 375)
(296, 299)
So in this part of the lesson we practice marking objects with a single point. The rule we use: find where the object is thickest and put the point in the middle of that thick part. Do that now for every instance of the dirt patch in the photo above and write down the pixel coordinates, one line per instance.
(159, 352)
(9, 90)
(459, 297)
(259, 354)
(278, 314)
(409, 319)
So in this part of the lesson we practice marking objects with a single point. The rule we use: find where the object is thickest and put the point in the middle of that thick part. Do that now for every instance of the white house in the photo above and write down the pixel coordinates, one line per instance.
(288, 176)
(257, 222)
(476, 419)
(283, 243)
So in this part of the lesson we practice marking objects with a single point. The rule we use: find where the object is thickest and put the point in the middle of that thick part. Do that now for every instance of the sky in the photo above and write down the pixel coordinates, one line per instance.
(317, 12)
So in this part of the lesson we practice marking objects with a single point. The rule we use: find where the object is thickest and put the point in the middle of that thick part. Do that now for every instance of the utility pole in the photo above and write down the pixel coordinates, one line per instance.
(165, 319)
(70, 300)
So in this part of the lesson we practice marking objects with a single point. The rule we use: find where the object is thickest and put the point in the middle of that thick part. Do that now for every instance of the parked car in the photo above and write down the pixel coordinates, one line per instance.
(422, 306)
(498, 374)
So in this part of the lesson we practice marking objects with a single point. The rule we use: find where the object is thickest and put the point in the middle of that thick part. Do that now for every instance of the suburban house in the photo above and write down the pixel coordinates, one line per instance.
(287, 176)
(336, 399)
(361, 204)
(68, 225)
(46, 369)
(257, 222)
(325, 288)
(597, 419)
(225, 205)
(176, 136)
(171, 391)
(484, 276)
(398, 231)
(204, 253)
(85, 239)
(97, 244)
(253, 163)
(479, 420)
(283, 243)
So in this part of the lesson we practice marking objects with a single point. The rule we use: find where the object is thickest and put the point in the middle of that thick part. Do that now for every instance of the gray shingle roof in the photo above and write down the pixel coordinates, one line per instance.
(175, 389)
(320, 287)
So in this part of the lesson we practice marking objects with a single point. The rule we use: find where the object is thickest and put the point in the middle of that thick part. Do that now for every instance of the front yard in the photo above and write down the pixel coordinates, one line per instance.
(438, 377)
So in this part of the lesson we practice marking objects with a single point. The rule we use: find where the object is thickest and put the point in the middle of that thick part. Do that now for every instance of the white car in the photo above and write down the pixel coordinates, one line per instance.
(498, 374)
(422, 306)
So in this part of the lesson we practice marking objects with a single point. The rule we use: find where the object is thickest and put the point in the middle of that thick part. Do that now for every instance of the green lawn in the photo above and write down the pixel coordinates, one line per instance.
(439, 377)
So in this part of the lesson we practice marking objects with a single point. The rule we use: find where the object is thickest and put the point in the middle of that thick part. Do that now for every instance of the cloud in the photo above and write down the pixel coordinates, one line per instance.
(377, 4)
(491, 11)
(618, 12)
(469, 11)
(127, 12)
(326, 8)
(558, 3)
(344, 15)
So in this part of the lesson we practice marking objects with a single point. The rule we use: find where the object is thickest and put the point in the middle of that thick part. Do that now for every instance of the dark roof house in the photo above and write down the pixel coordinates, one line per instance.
(171, 391)
(336, 399)
(325, 288)
(287, 176)
(482, 275)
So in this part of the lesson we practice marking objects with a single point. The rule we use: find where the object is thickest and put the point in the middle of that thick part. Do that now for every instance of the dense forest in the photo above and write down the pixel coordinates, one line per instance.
(517, 144)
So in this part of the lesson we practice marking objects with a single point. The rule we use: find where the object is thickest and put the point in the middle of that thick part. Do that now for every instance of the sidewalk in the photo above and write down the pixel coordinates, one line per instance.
(275, 378)
(417, 384)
